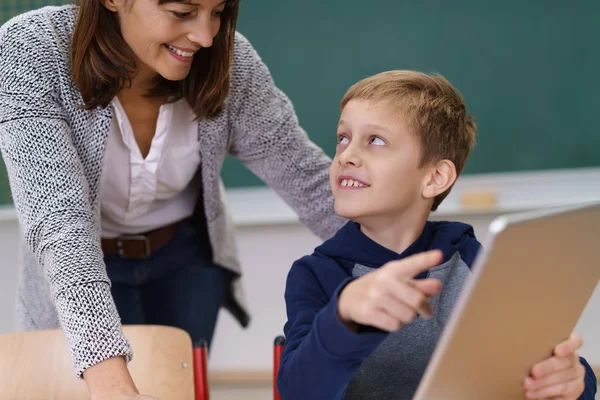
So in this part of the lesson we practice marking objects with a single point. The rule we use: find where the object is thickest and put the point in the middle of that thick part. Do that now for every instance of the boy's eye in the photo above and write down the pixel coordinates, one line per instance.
(377, 141)
(342, 139)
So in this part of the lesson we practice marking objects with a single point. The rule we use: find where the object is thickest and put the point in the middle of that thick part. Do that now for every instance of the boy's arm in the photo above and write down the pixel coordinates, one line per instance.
(321, 355)
(590, 381)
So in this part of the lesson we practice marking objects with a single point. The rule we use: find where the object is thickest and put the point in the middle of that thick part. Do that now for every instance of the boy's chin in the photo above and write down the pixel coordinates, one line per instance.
(349, 213)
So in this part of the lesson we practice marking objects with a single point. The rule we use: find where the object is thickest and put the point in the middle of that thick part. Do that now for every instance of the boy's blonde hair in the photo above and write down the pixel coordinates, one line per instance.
(433, 110)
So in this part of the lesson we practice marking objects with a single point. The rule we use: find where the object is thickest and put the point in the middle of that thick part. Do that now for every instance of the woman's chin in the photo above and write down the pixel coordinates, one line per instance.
(173, 77)
(174, 74)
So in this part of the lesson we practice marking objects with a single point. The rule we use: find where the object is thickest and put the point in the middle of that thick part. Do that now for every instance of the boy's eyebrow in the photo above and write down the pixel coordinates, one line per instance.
(371, 126)
(377, 127)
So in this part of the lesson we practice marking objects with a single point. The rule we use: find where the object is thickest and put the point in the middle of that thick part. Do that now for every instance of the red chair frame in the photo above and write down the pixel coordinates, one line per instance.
(200, 370)
(278, 345)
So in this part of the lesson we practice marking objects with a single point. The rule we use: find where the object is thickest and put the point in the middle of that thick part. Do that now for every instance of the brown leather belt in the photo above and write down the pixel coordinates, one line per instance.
(141, 246)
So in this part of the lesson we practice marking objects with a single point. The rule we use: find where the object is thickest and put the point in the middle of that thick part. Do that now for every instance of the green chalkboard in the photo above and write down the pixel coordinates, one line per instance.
(528, 69)
(4, 189)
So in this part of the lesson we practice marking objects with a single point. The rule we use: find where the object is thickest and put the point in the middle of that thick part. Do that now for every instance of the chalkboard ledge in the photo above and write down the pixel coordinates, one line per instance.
(472, 195)
(7, 213)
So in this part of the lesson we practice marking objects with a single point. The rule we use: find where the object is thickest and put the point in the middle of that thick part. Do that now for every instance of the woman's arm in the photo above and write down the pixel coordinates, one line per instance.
(52, 195)
(268, 139)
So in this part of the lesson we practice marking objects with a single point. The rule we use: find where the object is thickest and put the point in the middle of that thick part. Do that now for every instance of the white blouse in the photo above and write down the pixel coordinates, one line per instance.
(138, 195)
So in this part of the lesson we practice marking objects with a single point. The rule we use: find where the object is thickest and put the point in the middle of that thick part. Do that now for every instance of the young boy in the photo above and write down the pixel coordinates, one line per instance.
(366, 309)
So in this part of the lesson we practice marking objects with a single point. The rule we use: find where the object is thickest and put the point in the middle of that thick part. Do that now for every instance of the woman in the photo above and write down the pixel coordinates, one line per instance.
(115, 119)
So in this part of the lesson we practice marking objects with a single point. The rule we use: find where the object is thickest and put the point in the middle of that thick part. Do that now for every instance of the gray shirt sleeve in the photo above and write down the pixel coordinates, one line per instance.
(269, 141)
(52, 196)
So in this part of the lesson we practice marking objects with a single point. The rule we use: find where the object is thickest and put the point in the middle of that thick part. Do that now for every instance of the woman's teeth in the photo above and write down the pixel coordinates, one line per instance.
(179, 52)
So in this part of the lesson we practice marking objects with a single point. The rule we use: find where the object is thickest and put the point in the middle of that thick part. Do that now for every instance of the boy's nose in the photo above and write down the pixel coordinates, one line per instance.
(350, 157)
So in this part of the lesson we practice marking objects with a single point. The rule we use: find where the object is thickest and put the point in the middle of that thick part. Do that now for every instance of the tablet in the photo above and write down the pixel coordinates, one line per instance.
(529, 286)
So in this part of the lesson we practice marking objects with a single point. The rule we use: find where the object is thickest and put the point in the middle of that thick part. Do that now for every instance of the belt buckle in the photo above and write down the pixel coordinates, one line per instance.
(142, 238)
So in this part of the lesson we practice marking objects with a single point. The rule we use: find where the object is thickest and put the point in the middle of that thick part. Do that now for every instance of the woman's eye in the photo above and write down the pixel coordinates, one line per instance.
(181, 15)
(342, 140)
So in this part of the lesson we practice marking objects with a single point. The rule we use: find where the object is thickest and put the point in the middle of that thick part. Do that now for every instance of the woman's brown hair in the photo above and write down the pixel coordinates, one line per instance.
(103, 63)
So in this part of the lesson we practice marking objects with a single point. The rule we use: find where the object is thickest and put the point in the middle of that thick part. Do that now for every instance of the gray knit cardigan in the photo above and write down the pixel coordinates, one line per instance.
(53, 151)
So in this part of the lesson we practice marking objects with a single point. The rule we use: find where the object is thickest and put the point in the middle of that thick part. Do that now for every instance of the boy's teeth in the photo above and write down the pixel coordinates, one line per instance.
(350, 182)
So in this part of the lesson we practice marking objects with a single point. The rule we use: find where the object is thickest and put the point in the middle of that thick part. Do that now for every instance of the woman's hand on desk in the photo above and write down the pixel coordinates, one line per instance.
(110, 380)
(560, 376)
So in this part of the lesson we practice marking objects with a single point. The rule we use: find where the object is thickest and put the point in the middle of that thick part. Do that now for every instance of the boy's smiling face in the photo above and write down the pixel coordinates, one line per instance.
(375, 172)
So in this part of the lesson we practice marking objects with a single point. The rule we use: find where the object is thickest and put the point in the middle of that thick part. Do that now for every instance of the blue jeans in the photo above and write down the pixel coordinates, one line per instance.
(177, 286)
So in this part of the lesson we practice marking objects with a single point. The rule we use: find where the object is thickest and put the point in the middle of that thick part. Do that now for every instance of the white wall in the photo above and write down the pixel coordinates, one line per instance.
(270, 239)
(8, 272)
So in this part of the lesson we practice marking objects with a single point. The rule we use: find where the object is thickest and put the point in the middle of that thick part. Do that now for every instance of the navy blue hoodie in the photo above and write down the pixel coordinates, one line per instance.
(322, 359)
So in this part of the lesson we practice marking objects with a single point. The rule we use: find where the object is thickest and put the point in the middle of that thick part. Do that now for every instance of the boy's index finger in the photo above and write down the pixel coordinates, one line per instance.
(417, 263)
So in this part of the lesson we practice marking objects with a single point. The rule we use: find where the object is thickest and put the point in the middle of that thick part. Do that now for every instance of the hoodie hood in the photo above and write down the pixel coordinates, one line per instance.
(350, 245)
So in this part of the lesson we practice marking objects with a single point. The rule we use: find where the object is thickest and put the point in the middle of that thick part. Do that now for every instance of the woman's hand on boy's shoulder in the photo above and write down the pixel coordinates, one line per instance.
(389, 297)
(560, 376)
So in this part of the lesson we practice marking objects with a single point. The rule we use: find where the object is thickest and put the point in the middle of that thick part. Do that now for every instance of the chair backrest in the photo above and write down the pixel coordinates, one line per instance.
(37, 364)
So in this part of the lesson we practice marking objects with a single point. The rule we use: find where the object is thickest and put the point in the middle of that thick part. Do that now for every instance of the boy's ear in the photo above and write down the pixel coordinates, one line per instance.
(440, 177)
